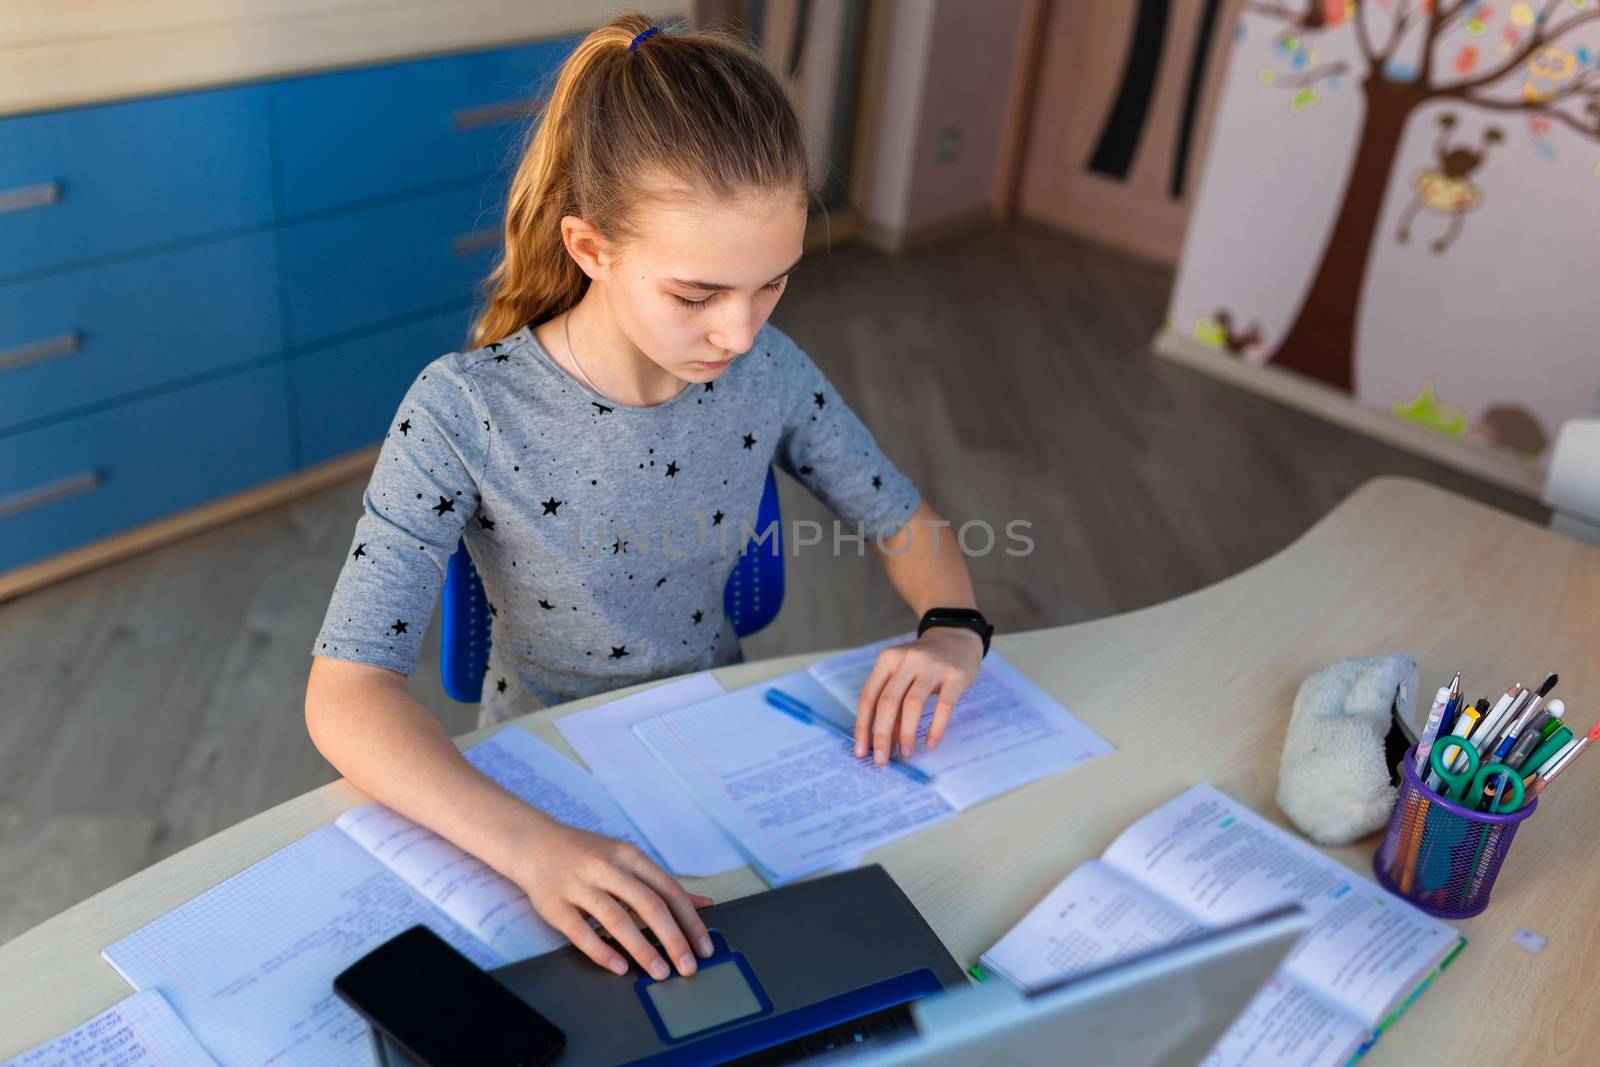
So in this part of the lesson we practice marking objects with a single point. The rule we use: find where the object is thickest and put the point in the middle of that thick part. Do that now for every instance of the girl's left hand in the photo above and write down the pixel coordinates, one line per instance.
(944, 660)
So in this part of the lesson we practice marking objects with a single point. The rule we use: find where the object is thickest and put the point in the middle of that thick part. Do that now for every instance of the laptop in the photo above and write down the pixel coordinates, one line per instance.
(845, 966)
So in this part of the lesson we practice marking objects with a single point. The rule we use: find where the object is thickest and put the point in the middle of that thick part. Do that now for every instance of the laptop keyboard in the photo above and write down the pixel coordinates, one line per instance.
(874, 1026)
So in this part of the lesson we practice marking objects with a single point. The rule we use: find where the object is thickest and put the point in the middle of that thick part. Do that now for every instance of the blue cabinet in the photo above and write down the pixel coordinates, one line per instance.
(205, 291)
(345, 395)
(73, 481)
(95, 181)
(79, 338)
(370, 266)
(358, 135)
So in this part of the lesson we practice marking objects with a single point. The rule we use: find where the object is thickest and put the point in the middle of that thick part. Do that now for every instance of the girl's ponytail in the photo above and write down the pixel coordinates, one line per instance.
(700, 108)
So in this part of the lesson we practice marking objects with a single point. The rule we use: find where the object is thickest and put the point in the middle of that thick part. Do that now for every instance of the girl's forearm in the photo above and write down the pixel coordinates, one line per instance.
(925, 565)
(376, 734)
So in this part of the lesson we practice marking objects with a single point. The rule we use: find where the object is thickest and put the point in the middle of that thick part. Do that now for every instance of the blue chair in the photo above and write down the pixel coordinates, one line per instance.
(751, 600)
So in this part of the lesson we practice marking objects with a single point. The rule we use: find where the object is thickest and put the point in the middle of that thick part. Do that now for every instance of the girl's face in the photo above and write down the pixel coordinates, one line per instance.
(701, 280)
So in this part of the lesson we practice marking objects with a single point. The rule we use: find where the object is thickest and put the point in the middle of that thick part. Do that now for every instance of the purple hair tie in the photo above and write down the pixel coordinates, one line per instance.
(651, 32)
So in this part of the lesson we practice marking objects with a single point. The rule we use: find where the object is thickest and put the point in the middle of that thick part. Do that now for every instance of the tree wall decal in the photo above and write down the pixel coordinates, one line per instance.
(1537, 67)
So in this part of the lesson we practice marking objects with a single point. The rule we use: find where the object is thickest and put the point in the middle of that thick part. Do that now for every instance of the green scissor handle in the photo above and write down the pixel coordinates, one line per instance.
(1509, 787)
(1456, 782)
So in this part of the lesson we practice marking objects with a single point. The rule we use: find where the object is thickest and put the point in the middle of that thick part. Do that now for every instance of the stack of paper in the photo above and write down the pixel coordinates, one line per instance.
(794, 798)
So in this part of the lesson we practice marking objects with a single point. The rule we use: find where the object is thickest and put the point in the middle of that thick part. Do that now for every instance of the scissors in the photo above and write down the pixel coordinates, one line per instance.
(1469, 782)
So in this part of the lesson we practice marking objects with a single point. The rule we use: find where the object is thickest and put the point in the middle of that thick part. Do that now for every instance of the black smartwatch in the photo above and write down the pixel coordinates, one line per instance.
(961, 619)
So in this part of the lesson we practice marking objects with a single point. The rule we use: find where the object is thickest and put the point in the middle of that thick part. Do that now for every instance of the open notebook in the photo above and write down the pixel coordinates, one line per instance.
(249, 964)
(793, 798)
(1203, 860)
(137, 1031)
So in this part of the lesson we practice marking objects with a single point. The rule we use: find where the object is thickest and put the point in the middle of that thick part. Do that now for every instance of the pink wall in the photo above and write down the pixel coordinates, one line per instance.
(950, 65)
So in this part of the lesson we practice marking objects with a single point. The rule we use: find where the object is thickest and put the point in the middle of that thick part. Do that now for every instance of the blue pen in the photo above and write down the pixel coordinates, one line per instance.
(800, 710)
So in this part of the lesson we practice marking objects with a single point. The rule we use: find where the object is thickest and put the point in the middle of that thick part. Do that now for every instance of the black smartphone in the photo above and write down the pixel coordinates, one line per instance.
(442, 1010)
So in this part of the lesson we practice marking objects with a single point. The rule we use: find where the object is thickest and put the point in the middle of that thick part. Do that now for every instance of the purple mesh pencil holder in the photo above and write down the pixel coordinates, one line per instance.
(1439, 855)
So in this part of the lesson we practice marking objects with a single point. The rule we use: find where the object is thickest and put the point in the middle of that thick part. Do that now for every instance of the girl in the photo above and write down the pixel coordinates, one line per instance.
(602, 451)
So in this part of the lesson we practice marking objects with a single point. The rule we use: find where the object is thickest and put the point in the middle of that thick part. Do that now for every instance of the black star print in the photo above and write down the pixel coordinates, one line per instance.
(546, 605)
(805, 470)
(716, 520)
(601, 409)
(361, 550)
(500, 686)
(818, 397)
(710, 386)
(494, 346)
(501, 358)
(620, 546)
(672, 470)
(405, 428)
(749, 442)
(485, 424)
(551, 505)
(877, 482)
(445, 504)
(494, 612)
(486, 522)
(618, 653)
(698, 616)
(660, 582)
(399, 627)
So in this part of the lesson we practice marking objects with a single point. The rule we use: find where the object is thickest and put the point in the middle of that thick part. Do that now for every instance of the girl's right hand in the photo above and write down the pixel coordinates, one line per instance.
(570, 874)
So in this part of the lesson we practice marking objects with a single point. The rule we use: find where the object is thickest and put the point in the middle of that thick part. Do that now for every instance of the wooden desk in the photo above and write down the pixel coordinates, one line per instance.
(1195, 689)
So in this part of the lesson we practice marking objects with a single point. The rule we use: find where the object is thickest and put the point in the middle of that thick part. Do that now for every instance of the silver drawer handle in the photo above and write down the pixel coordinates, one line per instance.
(475, 118)
(29, 196)
(38, 351)
(49, 493)
(476, 241)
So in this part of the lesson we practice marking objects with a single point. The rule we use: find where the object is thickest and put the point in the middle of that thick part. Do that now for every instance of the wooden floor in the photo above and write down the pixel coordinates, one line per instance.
(149, 704)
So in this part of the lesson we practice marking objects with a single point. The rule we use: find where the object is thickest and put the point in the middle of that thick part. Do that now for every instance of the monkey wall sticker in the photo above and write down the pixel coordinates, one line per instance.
(1447, 188)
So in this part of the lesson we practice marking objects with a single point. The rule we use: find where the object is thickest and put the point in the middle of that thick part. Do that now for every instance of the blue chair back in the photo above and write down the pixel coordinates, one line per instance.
(751, 600)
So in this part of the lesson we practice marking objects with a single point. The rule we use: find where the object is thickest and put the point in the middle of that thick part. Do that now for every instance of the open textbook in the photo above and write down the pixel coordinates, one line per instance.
(793, 797)
(137, 1031)
(1203, 860)
(249, 964)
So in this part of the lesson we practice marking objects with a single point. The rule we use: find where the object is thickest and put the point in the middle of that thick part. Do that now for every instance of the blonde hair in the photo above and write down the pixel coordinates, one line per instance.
(701, 108)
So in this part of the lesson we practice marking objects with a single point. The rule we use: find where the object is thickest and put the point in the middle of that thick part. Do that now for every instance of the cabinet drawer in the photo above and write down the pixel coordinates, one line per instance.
(357, 135)
(345, 395)
(89, 335)
(347, 272)
(89, 182)
(72, 482)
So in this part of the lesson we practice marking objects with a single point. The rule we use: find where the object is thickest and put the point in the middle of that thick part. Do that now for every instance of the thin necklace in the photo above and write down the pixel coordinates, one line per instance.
(566, 328)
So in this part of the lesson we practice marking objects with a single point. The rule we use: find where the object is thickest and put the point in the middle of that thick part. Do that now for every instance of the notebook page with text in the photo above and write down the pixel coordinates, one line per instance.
(471, 892)
(1221, 861)
(1004, 731)
(140, 1031)
(249, 964)
(792, 795)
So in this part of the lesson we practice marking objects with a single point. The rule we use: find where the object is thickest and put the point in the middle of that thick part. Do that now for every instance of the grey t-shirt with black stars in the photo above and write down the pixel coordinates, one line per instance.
(603, 533)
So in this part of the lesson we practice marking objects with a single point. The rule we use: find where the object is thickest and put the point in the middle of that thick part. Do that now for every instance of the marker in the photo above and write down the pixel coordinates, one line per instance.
(1521, 719)
(1491, 722)
(1547, 749)
(800, 710)
(1564, 760)
(1453, 753)
(1530, 737)
(1441, 700)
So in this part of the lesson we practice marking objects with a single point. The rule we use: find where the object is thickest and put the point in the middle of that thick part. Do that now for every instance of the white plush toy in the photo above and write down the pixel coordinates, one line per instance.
(1334, 782)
